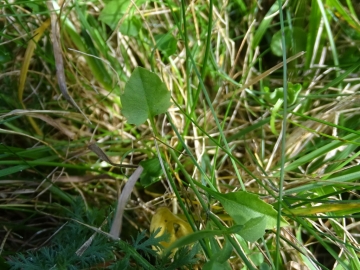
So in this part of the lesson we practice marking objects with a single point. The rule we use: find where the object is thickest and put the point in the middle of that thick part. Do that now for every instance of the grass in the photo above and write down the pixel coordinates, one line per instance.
(223, 133)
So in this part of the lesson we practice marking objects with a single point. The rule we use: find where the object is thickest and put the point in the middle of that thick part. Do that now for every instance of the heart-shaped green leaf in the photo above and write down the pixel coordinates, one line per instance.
(145, 96)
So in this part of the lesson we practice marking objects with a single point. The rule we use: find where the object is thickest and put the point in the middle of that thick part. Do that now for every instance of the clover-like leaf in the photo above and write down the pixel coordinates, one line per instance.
(145, 96)
(276, 98)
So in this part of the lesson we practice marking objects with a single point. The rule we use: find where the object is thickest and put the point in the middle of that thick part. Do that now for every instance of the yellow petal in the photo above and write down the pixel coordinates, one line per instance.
(172, 224)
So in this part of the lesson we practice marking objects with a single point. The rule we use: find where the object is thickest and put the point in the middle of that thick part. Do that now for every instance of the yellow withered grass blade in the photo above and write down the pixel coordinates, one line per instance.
(25, 67)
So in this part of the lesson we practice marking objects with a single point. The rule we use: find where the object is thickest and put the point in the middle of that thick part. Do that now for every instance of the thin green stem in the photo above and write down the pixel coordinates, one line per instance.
(283, 140)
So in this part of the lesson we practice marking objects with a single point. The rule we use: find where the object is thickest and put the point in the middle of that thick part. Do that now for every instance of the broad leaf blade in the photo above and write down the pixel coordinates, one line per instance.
(249, 210)
(145, 96)
(254, 229)
(243, 206)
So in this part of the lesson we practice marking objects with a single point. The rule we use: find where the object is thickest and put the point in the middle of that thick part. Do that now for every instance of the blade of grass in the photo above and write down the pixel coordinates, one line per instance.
(320, 151)
(350, 18)
(314, 23)
(283, 143)
(25, 67)
(330, 35)
(264, 75)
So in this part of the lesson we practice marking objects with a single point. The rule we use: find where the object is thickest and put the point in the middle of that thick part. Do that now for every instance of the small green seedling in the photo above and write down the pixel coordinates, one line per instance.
(276, 98)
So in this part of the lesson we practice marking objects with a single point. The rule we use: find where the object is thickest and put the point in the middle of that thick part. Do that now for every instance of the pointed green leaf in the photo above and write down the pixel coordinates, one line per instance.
(253, 229)
(249, 210)
(145, 96)
(243, 206)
